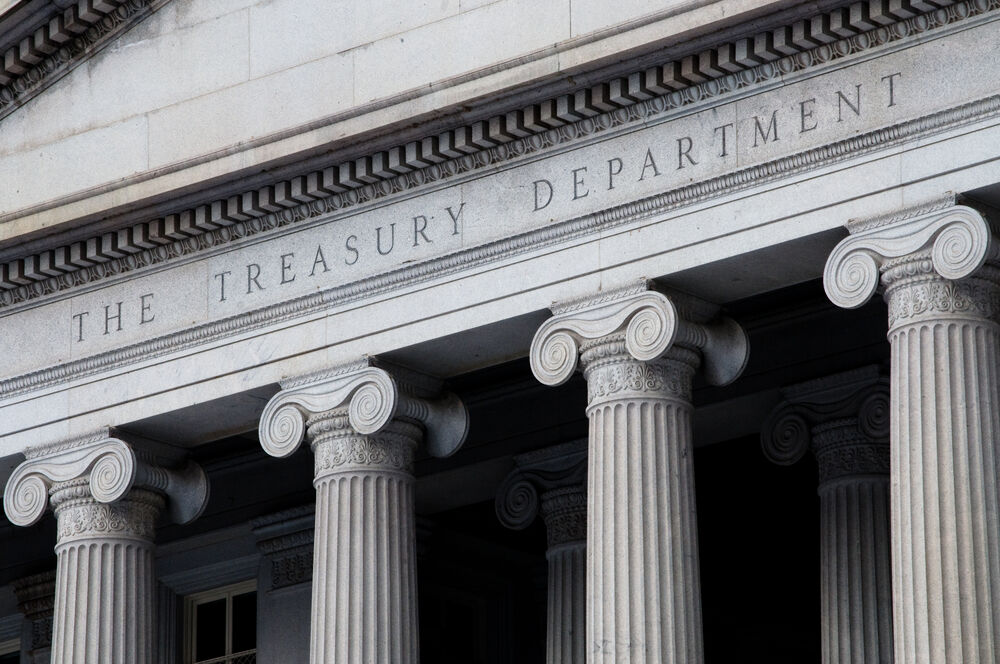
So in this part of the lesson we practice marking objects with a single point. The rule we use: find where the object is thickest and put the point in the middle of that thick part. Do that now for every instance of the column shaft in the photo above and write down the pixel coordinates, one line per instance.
(642, 570)
(945, 526)
(364, 577)
(566, 641)
(855, 553)
(565, 513)
(104, 603)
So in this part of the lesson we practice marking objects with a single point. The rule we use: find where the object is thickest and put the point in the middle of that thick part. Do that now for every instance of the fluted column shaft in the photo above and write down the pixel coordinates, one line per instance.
(854, 545)
(642, 566)
(105, 593)
(565, 514)
(945, 422)
(364, 576)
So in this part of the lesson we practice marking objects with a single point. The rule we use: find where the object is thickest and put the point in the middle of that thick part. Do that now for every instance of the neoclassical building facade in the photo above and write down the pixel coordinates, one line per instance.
(360, 333)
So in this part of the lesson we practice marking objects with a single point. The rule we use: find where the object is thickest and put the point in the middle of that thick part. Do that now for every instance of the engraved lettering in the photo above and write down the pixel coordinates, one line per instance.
(392, 239)
(612, 171)
(728, 125)
(221, 276)
(806, 115)
(318, 260)
(842, 99)
(647, 164)
(144, 307)
(684, 145)
(79, 319)
(578, 182)
(771, 127)
(419, 226)
(455, 217)
(350, 247)
(108, 318)
(253, 276)
(286, 267)
(892, 89)
(538, 200)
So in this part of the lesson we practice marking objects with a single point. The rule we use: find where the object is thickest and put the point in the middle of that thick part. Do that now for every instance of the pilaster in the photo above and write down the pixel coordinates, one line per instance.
(844, 419)
(937, 265)
(553, 481)
(107, 493)
(364, 425)
(639, 349)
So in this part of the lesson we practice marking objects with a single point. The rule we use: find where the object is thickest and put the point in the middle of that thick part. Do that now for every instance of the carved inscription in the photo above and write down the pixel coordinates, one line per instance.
(718, 141)
(374, 245)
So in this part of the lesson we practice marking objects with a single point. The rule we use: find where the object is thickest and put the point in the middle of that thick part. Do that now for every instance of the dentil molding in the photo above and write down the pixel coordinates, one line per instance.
(636, 98)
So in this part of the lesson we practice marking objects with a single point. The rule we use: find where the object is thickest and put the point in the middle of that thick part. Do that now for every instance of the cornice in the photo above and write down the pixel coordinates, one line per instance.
(608, 106)
(64, 40)
(475, 257)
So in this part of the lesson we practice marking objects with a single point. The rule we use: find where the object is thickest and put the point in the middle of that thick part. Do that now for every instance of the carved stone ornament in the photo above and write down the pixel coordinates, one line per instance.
(111, 466)
(959, 238)
(844, 418)
(651, 326)
(537, 473)
(373, 398)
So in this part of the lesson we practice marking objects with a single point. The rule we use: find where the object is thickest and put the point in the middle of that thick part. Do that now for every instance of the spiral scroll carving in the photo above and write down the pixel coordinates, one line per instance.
(960, 248)
(851, 279)
(517, 503)
(785, 438)
(26, 499)
(373, 404)
(651, 331)
(556, 359)
(112, 474)
(648, 319)
(958, 237)
(282, 428)
(873, 415)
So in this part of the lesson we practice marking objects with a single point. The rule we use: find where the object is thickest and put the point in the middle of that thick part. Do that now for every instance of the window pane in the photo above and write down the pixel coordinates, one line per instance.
(244, 622)
(210, 622)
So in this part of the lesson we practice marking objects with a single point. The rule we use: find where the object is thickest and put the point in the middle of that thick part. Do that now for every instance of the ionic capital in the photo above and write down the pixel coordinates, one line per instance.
(553, 481)
(373, 397)
(843, 418)
(109, 465)
(956, 239)
(651, 325)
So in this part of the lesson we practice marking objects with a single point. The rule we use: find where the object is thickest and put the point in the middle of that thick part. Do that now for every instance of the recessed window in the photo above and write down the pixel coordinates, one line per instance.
(221, 625)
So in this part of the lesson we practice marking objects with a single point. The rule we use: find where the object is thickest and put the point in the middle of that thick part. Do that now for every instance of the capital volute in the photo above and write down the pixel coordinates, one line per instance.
(957, 239)
(651, 324)
(374, 395)
(536, 474)
(857, 400)
(110, 463)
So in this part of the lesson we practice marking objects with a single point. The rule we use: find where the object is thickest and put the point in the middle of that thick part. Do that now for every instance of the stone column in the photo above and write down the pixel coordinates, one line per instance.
(845, 420)
(107, 494)
(939, 272)
(364, 425)
(639, 354)
(36, 597)
(559, 474)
